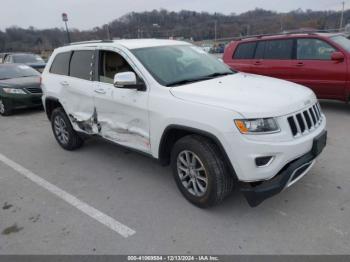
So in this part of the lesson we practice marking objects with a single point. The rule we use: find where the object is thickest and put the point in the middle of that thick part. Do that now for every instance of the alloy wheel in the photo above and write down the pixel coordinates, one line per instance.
(192, 173)
(61, 130)
(2, 107)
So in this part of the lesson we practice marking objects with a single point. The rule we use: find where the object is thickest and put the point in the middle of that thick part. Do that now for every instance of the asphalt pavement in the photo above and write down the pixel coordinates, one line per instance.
(104, 199)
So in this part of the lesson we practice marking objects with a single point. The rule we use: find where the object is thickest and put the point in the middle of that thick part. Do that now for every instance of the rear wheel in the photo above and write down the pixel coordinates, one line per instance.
(64, 133)
(199, 171)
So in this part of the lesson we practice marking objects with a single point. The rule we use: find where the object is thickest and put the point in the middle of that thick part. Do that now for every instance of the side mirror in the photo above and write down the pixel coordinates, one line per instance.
(127, 80)
(338, 56)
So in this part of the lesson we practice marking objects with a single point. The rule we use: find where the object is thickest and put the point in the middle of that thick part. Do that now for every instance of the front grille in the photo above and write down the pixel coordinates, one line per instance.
(34, 90)
(305, 121)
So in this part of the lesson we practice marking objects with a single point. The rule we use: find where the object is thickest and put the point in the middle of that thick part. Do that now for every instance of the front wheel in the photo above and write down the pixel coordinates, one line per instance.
(64, 132)
(200, 171)
(5, 110)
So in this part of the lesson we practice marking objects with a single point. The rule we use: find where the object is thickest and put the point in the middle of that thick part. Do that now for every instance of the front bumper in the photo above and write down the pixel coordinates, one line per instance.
(242, 150)
(22, 101)
(257, 192)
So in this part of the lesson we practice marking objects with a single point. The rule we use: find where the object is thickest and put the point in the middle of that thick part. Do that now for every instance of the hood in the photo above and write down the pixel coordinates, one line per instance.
(22, 82)
(250, 95)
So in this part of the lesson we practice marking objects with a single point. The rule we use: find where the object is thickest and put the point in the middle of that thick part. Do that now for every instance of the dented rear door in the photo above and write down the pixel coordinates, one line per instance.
(77, 90)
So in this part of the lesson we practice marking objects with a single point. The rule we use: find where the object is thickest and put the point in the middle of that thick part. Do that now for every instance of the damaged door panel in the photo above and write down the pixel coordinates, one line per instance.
(122, 117)
(89, 126)
(77, 97)
(122, 114)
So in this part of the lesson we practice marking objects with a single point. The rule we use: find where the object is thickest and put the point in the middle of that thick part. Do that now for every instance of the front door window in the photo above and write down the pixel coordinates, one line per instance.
(314, 49)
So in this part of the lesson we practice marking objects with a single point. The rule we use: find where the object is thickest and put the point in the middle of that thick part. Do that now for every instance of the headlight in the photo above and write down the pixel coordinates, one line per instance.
(14, 91)
(257, 126)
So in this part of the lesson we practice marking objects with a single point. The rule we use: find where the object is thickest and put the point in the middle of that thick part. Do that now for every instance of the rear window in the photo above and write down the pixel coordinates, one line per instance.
(27, 58)
(80, 65)
(275, 50)
(60, 64)
(245, 51)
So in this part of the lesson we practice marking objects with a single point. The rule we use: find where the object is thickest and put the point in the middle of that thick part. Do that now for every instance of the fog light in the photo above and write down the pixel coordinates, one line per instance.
(263, 161)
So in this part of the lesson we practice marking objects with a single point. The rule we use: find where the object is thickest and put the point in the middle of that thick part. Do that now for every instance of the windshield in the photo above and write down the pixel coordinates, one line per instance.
(175, 65)
(27, 58)
(16, 71)
(342, 41)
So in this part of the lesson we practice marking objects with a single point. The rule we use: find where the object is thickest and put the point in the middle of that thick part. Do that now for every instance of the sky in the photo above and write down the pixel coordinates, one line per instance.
(86, 14)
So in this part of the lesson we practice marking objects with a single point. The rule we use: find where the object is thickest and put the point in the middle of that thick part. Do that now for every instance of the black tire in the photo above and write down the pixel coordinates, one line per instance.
(73, 141)
(220, 182)
(5, 109)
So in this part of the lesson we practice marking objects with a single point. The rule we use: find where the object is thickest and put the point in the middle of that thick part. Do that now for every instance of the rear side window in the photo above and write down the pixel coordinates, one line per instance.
(275, 50)
(60, 64)
(80, 65)
(245, 51)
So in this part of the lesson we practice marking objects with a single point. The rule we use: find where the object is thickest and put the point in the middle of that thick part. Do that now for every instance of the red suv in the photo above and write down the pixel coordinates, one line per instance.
(319, 61)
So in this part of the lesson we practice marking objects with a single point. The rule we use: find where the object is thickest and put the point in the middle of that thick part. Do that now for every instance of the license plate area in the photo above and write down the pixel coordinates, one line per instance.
(319, 144)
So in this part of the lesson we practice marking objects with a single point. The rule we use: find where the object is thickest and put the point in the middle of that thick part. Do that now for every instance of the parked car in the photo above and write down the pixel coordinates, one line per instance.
(2, 56)
(206, 48)
(218, 49)
(32, 60)
(319, 61)
(19, 88)
(174, 102)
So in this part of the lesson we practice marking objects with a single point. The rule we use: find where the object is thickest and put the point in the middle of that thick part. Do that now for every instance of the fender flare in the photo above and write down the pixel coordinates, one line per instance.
(163, 157)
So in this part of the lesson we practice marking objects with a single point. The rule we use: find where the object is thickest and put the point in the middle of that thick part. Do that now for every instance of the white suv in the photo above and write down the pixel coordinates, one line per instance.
(173, 101)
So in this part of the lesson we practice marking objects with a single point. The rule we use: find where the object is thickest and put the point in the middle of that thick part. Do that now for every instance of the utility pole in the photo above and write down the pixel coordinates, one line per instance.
(108, 32)
(281, 21)
(248, 29)
(65, 20)
(154, 31)
(342, 16)
(215, 29)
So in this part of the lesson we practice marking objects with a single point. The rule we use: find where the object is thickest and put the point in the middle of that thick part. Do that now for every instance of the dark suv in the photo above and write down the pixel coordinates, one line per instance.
(317, 60)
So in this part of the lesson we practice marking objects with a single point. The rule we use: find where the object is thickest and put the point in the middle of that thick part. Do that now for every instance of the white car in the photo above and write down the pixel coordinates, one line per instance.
(176, 103)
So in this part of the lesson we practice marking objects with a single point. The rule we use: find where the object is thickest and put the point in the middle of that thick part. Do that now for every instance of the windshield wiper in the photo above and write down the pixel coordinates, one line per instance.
(5, 78)
(186, 81)
(219, 74)
(202, 78)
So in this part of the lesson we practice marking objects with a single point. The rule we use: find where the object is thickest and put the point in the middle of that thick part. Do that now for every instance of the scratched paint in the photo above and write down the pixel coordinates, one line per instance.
(90, 125)
(128, 134)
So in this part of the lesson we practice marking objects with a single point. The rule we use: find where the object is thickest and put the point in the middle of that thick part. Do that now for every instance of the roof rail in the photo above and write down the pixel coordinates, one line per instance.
(291, 32)
(90, 42)
(311, 31)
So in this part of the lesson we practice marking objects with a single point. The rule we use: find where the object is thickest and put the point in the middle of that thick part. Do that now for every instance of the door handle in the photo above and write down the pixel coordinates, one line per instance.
(300, 64)
(64, 83)
(257, 63)
(100, 91)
